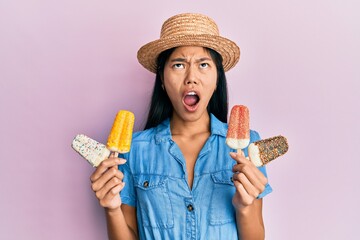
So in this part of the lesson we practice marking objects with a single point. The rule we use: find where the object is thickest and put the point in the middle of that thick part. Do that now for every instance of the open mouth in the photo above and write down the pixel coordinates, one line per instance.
(191, 100)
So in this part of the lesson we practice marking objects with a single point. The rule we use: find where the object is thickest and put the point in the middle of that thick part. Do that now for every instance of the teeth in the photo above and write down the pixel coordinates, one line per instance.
(191, 93)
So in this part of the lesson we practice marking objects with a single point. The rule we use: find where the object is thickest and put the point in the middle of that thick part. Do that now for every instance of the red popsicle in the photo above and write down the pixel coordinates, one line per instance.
(238, 135)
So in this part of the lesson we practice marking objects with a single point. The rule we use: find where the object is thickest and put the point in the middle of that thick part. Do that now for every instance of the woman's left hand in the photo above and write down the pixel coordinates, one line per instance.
(249, 181)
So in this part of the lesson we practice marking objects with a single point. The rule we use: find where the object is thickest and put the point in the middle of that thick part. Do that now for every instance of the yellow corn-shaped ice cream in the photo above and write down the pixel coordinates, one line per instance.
(119, 139)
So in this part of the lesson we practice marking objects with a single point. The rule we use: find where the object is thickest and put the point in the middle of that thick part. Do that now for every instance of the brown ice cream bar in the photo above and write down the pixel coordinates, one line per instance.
(266, 150)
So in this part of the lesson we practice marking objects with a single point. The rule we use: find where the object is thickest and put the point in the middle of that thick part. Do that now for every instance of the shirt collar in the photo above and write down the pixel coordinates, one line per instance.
(163, 132)
(217, 127)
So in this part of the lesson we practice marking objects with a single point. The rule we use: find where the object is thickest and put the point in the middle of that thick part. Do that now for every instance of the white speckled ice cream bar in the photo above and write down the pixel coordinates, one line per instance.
(93, 151)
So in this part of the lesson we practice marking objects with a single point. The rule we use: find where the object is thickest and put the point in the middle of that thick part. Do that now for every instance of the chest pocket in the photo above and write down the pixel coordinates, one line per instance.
(154, 200)
(221, 209)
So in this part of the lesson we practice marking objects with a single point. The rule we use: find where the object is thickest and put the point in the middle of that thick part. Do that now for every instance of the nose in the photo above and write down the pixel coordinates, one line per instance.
(191, 77)
(191, 81)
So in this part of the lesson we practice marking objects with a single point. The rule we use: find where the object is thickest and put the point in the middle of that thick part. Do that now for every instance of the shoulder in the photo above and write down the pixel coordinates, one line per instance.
(144, 135)
(160, 131)
(254, 136)
(140, 139)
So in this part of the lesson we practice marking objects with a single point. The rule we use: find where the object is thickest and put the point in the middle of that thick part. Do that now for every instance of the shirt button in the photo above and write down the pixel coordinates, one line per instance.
(190, 208)
(146, 184)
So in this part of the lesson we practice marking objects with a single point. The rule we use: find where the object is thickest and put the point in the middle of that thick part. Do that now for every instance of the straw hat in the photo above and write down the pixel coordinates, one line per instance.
(189, 29)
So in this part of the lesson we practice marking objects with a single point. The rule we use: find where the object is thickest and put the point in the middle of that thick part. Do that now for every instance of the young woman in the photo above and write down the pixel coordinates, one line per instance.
(180, 180)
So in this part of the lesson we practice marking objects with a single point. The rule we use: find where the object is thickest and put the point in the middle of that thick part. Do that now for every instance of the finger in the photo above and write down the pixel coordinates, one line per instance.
(113, 192)
(251, 171)
(245, 197)
(112, 183)
(110, 173)
(259, 174)
(245, 163)
(239, 157)
(255, 176)
(104, 165)
(263, 180)
(238, 167)
(251, 189)
(114, 154)
(239, 151)
(103, 179)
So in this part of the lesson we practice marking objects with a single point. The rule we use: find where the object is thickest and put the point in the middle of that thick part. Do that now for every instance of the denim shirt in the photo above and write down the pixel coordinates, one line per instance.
(156, 184)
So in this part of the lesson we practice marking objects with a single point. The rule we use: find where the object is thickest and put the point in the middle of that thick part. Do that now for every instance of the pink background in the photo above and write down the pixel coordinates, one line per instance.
(66, 67)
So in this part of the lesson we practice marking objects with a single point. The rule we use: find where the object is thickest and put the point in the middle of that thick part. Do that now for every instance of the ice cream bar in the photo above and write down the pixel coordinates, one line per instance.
(265, 151)
(120, 136)
(93, 151)
(238, 134)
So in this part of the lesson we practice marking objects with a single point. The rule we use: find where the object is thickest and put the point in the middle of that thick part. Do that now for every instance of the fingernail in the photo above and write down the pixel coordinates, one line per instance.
(122, 161)
(232, 154)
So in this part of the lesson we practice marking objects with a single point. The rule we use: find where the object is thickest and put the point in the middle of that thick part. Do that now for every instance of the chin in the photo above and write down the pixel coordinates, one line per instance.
(193, 116)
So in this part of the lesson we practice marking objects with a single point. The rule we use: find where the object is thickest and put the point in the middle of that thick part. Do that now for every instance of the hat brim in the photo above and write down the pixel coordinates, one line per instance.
(230, 52)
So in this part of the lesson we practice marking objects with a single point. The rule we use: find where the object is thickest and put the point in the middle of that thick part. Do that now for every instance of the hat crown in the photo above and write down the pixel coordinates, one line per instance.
(189, 29)
(189, 24)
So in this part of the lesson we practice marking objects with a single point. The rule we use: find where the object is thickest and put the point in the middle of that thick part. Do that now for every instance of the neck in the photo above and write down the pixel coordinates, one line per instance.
(180, 126)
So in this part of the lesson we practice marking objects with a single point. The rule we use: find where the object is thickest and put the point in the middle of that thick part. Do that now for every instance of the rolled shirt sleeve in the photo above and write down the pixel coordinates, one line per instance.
(127, 194)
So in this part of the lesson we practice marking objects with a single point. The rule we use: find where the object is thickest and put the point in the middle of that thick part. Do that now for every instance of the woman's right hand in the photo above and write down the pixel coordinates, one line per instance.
(107, 183)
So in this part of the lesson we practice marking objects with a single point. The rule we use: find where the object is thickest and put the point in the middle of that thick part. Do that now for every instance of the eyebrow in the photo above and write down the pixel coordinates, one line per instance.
(184, 59)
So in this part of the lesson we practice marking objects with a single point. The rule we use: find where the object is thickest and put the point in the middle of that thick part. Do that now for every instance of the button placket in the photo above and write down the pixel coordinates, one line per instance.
(190, 219)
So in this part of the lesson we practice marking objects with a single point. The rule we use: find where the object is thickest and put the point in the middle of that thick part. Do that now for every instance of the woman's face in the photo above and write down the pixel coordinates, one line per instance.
(190, 78)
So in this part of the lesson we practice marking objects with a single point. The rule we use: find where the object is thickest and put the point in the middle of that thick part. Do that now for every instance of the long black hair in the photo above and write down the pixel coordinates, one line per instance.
(160, 105)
